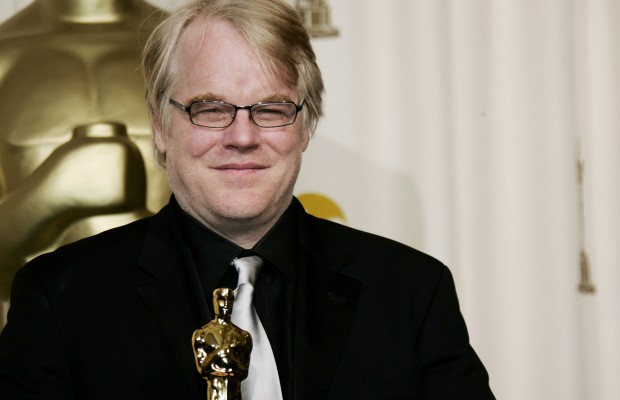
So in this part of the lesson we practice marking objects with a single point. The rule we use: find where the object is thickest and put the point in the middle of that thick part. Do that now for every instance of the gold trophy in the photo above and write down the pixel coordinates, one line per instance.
(75, 145)
(222, 350)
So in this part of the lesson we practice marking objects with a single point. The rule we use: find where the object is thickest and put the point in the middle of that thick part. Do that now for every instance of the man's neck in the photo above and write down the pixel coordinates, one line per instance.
(246, 234)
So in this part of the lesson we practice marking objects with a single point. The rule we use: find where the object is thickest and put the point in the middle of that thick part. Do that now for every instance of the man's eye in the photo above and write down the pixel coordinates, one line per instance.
(274, 112)
(210, 109)
(269, 111)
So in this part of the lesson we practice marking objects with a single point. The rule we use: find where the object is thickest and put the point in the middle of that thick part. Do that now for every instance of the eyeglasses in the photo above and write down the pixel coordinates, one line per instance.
(219, 114)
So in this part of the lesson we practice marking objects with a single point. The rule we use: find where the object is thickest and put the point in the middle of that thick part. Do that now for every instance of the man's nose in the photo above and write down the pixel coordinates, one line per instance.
(243, 133)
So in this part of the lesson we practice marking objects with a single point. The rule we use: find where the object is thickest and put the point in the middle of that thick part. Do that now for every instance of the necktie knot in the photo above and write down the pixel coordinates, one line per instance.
(248, 269)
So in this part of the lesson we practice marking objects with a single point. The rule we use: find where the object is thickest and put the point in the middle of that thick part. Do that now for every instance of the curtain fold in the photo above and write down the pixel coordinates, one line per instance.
(597, 60)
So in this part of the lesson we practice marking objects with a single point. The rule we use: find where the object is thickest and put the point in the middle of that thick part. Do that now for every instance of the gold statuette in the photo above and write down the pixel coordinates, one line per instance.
(75, 140)
(222, 350)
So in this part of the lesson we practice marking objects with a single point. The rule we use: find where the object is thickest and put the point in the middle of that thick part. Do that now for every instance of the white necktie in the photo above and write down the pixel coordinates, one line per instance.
(262, 382)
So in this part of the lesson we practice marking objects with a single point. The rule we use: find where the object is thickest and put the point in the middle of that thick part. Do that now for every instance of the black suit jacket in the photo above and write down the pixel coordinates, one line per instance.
(111, 317)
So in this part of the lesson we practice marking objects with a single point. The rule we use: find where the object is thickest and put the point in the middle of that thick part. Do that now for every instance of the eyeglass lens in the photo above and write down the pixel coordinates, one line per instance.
(215, 114)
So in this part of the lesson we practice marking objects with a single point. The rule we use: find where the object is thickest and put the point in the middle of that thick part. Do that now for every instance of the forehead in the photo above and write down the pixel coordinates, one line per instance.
(213, 57)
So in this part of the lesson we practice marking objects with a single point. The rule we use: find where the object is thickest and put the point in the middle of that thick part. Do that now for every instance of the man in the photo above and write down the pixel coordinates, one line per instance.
(235, 93)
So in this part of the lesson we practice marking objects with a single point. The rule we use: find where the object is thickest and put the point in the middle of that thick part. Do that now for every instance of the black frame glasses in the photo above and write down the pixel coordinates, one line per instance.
(220, 114)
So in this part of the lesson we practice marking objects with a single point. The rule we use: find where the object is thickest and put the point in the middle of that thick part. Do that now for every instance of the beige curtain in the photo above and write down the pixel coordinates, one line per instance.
(464, 122)
(456, 127)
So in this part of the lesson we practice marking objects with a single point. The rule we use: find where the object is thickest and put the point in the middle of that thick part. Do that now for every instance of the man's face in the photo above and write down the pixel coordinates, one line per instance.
(242, 175)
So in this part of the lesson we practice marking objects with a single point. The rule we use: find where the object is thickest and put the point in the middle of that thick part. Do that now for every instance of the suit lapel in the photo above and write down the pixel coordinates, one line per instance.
(325, 303)
(325, 306)
(175, 299)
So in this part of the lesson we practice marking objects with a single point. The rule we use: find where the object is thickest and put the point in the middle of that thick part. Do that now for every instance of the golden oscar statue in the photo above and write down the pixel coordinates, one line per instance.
(75, 152)
(222, 350)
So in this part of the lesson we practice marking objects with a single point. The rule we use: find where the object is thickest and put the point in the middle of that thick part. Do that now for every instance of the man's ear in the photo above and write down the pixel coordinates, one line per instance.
(305, 140)
(159, 138)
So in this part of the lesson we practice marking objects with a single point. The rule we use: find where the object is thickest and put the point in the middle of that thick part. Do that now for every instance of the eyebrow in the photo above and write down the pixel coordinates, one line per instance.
(210, 96)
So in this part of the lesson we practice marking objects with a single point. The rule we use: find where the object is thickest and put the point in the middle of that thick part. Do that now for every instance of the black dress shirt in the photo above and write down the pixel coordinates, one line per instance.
(273, 297)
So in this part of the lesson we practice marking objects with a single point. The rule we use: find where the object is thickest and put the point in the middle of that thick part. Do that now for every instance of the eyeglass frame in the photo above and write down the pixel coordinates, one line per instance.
(187, 109)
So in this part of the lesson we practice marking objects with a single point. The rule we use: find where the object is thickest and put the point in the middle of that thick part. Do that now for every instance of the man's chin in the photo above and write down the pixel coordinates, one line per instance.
(252, 211)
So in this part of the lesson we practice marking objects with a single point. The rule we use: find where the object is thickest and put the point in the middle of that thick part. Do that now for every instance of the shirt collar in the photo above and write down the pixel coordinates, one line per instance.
(278, 246)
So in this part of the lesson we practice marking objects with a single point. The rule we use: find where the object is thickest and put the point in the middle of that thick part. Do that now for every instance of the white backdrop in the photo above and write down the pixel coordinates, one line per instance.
(455, 126)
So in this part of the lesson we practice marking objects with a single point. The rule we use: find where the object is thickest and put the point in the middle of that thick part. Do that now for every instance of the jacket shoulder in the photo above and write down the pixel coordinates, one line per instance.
(370, 244)
(374, 259)
(99, 255)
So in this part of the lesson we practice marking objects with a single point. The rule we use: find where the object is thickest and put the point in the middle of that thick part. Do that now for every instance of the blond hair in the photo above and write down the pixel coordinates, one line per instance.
(272, 27)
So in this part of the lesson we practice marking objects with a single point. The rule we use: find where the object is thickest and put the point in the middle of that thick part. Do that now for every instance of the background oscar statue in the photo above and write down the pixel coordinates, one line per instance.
(75, 152)
(222, 350)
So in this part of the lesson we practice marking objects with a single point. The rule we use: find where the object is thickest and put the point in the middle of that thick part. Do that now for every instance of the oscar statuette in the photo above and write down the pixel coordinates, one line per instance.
(222, 350)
